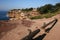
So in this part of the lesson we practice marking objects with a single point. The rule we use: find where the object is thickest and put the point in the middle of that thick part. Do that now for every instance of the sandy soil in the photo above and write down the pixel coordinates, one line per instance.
(16, 30)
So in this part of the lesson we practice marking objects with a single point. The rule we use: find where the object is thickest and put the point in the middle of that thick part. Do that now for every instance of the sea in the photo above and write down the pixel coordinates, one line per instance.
(3, 15)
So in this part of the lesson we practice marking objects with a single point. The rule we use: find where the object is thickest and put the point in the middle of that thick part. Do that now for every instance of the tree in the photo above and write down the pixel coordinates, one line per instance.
(46, 8)
(30, 9)
(27, 9)
(57, 6)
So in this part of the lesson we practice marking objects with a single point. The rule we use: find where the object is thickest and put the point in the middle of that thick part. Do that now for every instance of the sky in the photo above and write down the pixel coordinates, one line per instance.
(19, 4)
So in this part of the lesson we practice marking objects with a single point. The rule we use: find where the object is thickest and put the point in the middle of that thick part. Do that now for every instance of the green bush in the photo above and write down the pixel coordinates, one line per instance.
(37, 17)
(48, 15)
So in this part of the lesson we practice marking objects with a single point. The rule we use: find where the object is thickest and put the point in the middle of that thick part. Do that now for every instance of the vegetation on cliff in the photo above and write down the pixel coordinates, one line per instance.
(48, 8)
(45, 11)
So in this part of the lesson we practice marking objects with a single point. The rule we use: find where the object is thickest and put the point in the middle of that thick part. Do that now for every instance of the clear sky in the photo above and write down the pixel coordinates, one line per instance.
(18, 4)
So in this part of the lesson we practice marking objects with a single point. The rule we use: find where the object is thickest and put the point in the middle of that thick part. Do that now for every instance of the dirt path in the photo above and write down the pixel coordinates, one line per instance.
(20, 31)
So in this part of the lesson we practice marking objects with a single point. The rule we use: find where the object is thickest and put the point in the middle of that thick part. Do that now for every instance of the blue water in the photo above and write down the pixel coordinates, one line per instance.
(3, 15)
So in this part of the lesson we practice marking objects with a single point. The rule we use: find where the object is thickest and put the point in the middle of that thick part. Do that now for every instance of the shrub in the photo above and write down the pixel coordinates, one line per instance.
(36, 17)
